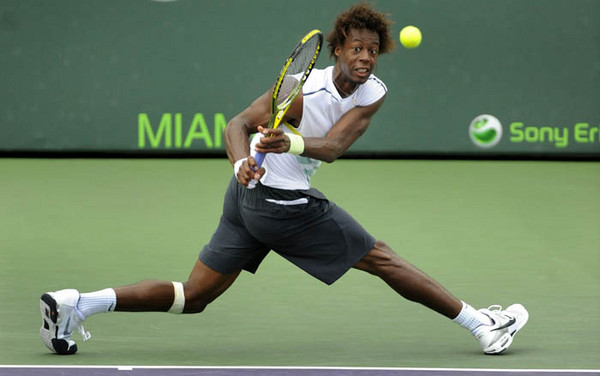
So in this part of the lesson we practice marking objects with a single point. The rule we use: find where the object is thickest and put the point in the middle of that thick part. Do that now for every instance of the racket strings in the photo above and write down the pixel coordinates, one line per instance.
(304, 57)
(301, 64)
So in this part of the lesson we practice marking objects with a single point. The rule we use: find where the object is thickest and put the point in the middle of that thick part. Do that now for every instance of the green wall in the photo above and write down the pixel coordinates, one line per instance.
(110, 75)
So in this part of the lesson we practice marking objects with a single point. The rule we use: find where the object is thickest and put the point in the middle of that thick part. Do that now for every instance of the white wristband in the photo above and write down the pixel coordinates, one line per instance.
(296, 144)
(237, 165)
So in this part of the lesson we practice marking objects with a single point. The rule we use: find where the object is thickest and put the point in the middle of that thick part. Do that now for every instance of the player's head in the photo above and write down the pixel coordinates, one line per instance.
(360, 16)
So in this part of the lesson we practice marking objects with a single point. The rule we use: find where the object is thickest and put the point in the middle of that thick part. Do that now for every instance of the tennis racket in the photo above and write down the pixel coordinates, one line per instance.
(292, 77)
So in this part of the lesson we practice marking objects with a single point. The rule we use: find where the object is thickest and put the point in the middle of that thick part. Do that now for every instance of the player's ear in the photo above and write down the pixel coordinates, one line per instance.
(337, 51)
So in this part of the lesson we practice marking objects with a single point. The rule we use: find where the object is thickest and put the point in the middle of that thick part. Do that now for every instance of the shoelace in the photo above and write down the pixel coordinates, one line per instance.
(84, 334)
(79, 318)
(498, 310)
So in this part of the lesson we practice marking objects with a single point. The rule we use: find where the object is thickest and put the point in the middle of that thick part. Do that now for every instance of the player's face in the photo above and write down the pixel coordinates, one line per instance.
(358, 56)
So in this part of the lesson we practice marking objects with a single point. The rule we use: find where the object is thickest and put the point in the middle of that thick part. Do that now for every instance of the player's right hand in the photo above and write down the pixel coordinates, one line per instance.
(248, 171)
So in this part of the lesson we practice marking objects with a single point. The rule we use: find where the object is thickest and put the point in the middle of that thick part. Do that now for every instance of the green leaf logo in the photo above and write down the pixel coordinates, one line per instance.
(485, 131)
(480, 123)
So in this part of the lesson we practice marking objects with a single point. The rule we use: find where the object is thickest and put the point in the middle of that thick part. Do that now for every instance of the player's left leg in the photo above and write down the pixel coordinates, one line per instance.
(408, 281)
(494, 328)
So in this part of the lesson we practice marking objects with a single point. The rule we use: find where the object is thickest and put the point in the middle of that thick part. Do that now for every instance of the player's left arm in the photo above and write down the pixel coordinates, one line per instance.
(329, 148)
(342, 135)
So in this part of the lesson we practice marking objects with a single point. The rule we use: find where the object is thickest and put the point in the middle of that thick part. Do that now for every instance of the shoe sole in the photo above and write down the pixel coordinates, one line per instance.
(500, 345)
(49, 331)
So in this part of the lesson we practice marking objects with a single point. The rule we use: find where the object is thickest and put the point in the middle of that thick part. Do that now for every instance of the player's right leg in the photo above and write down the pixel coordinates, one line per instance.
(64, 311)
(230, 250)
(202, 287)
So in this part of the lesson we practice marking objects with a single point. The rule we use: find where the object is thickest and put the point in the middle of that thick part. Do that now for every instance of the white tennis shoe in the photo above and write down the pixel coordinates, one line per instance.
(498, 337)
(60, 318)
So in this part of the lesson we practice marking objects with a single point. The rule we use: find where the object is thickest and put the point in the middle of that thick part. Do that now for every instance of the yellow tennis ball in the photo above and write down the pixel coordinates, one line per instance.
(410, 37)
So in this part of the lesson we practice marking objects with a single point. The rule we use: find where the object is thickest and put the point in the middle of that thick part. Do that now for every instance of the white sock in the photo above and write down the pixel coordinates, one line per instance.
(97, 302)
(470, 318)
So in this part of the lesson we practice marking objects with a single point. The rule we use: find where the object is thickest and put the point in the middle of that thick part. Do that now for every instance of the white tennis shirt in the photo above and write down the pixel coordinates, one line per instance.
(323, 107)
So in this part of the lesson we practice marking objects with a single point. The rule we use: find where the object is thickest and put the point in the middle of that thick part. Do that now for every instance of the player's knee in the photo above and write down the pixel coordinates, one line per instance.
(187, 299)
(380, 260)
(195, 299)
(382, 247)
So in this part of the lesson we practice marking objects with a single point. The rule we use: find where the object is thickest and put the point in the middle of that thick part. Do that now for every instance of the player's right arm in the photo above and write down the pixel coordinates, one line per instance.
(247, 122)
(237, 131)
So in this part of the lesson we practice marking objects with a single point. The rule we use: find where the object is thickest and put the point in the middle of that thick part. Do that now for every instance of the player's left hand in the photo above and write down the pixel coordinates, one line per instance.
(272, 141)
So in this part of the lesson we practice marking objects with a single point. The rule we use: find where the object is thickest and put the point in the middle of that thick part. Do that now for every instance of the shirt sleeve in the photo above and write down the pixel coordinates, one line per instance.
(374, 89)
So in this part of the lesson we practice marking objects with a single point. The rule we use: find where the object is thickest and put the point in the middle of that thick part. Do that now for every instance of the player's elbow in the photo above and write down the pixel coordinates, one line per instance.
(234, 125)
(332, 155)
(236, 128)
(336, 146)
(336, 150)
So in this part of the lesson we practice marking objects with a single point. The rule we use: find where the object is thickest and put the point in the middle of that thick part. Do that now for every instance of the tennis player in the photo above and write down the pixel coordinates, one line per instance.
(284, 214)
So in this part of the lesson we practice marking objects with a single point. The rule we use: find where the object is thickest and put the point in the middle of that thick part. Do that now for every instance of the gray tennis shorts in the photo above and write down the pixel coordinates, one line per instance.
(302, 226)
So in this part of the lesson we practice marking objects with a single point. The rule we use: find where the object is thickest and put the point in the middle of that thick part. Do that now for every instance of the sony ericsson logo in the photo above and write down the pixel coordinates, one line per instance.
(485, 131)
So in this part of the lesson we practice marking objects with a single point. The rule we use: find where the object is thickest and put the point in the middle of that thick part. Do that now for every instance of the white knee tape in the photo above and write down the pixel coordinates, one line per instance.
(179, 300)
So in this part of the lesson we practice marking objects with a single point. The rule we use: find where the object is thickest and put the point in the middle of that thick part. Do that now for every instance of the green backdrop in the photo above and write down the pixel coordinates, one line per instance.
(147, 76)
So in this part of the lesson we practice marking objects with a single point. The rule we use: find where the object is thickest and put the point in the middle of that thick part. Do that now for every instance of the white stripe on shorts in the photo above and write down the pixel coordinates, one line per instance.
(299, 201)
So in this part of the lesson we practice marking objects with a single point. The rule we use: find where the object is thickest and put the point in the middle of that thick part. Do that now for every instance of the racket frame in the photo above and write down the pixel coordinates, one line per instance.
(278, 110)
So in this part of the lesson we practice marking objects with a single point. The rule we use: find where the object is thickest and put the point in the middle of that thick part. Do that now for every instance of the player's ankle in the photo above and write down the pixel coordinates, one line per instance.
(470, 318)
(97, 302)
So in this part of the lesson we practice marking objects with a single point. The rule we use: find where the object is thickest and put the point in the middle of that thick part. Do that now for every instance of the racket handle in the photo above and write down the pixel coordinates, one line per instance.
(259, 158)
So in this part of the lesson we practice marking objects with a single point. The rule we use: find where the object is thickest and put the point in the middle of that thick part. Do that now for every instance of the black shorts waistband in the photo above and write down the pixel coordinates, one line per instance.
(261, 191)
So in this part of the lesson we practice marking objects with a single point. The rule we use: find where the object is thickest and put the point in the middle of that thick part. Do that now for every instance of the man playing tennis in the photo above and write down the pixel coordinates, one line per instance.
(280, 211)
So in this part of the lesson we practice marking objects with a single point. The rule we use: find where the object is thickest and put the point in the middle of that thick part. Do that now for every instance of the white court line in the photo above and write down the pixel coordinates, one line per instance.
(130, 368)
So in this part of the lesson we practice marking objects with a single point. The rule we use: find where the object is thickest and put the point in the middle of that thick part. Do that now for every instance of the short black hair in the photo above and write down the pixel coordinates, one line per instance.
(361, 16)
